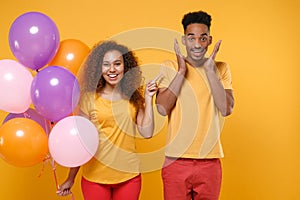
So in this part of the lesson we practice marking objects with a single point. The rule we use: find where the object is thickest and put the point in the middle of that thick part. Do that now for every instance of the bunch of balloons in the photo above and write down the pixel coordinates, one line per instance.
(28, 135)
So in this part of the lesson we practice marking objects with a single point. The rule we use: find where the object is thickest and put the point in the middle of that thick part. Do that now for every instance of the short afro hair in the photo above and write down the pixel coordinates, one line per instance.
(198, 17)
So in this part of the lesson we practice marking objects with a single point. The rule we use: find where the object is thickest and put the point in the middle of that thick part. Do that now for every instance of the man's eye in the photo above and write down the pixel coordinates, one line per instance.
(203, 39)
(191, 39)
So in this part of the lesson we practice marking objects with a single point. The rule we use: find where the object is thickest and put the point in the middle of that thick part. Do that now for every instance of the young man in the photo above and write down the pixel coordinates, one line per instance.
(196, 94)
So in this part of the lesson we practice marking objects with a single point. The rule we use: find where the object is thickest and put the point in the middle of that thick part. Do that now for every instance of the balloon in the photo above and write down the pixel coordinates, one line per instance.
(55, 92)
(23, 142)
(30, 114)
(15, 83)
(34, 39)
(70, 54)
(73, 141)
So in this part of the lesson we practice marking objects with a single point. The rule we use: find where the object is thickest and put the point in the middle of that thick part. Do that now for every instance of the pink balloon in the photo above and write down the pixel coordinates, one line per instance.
(15, 85)
(73, 141)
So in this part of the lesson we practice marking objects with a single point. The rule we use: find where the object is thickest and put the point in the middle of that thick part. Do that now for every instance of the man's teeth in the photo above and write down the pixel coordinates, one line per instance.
(197, 51)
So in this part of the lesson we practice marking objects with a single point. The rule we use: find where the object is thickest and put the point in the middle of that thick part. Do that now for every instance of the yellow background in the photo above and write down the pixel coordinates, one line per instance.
(260, 42)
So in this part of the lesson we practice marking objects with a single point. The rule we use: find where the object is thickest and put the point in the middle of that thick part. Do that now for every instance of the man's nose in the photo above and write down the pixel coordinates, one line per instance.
(198, 44)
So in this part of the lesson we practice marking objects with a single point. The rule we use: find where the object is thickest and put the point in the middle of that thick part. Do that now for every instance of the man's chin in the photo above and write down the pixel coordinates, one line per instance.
(198, 58)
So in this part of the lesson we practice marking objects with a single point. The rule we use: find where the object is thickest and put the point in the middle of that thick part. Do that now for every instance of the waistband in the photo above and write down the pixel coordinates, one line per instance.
(192, 159)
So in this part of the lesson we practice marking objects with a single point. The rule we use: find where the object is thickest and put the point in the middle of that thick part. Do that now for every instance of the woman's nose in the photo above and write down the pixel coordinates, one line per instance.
(112, 67)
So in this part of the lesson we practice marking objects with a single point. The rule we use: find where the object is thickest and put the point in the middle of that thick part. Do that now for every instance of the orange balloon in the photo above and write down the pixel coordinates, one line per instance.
(70, 55)
(23, 142)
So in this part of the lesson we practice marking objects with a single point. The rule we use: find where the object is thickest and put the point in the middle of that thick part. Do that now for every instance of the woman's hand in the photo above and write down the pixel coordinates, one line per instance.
(65, 188)
(151, 86)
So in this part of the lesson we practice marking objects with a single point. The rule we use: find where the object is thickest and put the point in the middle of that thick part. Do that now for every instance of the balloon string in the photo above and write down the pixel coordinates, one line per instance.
(48, 126)
(55, 178)
(48, 157)
(54, 174)
(43, 167)
(26, 115)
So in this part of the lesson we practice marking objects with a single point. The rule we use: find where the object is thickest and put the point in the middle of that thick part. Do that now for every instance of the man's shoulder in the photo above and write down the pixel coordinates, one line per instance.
(221, 63)
(222, 66)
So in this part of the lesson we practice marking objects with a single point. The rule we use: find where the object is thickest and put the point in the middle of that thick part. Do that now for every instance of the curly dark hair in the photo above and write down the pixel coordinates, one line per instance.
(91, 78)
(199, 17)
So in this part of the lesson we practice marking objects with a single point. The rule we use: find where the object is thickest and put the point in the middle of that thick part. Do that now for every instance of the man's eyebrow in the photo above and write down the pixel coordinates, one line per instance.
(190, 34)
(203, 34)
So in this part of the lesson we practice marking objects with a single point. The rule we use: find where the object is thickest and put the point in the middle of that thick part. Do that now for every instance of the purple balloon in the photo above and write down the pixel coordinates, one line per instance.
(30, 114)
(55, 92)
(34, 39)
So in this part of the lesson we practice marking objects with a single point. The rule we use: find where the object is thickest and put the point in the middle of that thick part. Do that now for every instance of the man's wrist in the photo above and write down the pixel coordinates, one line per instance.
(182, 72)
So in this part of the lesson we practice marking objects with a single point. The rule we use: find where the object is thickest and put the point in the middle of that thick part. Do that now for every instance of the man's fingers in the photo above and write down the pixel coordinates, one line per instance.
(176, 47)
(216, 49)
(177, 50)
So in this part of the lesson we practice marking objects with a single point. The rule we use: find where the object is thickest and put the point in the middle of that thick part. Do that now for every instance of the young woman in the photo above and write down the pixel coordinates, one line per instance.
(115, 100)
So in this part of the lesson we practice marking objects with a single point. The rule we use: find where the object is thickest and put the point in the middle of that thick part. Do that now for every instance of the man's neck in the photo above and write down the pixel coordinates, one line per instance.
(196, 63)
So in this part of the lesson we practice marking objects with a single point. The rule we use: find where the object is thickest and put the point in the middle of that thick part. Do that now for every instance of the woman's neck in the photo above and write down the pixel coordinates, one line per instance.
(111, 93)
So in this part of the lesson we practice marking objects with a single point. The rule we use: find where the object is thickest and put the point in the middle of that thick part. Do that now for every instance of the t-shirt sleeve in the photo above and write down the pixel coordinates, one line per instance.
(169, 70)
(225, 75)
(85, 103)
